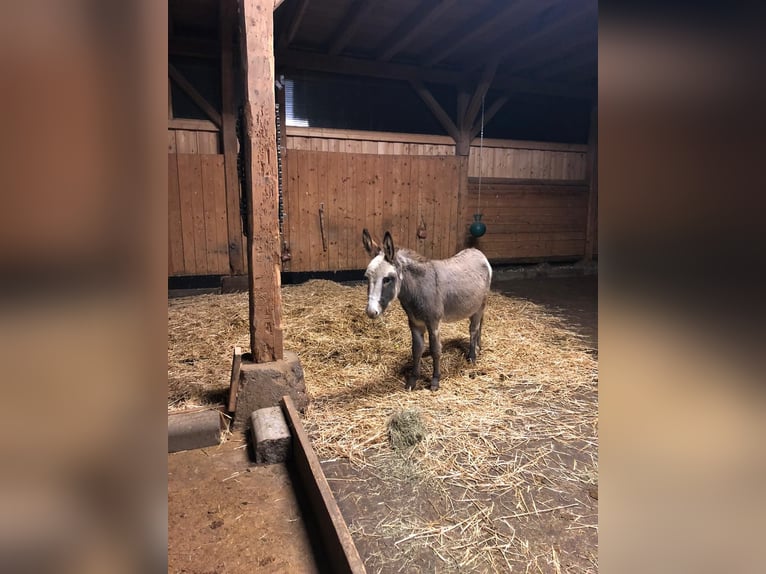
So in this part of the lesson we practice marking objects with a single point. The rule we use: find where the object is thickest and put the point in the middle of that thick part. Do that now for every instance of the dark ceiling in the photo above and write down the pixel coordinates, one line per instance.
(533, 46)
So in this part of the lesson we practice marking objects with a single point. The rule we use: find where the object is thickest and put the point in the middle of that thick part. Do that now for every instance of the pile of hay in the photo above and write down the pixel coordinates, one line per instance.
(491, 427)
(405, 429)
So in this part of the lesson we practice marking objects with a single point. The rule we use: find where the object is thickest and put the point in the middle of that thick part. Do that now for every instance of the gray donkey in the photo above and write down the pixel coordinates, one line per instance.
(430, 291)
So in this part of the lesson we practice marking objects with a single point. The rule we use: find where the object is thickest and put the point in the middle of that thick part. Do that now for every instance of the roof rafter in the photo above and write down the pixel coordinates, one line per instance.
(295, 21)
(422, 17)
(195, 96)
(436, 109)
(529, 47)
(349, 25)
(314, 61)
(482, 25)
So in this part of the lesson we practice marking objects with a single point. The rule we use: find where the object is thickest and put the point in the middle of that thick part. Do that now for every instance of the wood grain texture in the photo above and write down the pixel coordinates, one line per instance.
(266, 337)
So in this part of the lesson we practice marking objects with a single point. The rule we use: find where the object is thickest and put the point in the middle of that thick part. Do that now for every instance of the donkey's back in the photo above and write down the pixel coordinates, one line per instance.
(462, 283)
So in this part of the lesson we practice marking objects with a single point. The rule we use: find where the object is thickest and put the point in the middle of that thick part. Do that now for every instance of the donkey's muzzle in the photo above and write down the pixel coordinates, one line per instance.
(373, 312)
(373, 308)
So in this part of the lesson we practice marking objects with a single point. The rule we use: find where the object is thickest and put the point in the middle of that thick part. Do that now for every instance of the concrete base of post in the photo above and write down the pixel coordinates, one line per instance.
(263, 385)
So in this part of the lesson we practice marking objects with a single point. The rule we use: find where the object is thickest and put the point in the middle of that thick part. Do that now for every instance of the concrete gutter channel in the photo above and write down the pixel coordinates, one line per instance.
(279, 437)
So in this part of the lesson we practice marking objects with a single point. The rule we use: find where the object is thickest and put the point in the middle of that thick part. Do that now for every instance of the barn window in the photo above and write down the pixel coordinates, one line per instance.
(291, 118)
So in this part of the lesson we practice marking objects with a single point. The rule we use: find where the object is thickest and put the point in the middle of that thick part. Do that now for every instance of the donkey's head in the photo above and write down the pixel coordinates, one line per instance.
(383, 280)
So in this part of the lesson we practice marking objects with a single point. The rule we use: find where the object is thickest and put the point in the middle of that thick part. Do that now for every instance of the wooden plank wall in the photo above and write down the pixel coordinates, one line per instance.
(528, 220)
(197, 228)
(534, 196)
(495, 158)
(192, 141)
(357, 190)
(532, 162)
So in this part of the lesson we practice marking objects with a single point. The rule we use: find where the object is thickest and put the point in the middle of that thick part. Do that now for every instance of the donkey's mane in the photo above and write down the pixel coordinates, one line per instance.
(413, 255)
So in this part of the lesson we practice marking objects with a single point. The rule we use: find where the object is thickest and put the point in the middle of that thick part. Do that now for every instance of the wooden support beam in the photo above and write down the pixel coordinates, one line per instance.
(462, 204)
(266, 337)
(424, 15)
(196, 97)
(481, 90)
(313, 61)
(228, 23)
(463, 143)
(349, 25)
(592, 179)
(488, 115)
(295, 21)
(463, 97)
(436, 109)
(483, 25)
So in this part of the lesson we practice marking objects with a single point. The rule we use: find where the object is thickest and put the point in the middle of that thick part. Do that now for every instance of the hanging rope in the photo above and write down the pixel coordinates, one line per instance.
(481, 154)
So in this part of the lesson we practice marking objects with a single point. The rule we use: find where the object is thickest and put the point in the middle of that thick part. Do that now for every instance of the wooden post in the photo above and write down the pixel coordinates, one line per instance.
(260, 146)
(228, 17)
(592, 177)
(462, 192)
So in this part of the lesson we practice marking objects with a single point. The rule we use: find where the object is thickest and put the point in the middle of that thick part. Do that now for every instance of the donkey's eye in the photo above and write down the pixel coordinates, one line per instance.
(387, 280)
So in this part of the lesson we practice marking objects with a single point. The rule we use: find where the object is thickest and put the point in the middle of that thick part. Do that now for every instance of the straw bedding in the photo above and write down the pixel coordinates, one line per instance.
(497, 428)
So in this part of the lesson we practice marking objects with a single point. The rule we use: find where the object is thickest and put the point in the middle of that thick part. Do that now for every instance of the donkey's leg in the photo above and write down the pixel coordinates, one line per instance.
(418, 344)
(436, 354)
(475, 330)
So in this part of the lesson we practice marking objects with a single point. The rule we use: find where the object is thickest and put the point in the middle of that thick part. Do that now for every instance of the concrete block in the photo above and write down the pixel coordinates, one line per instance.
(271, 437)
(263, 385)
(187, 431)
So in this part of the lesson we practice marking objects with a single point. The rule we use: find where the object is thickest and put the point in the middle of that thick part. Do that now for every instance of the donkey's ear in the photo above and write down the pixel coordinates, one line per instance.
(388, 247)
(369, 243)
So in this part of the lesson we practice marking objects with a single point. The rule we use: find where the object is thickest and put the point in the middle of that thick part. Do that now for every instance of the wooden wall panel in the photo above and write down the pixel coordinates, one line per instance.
(197, 229)
(496, 158)
(175, 238)
(528, 220)
(380, 192)
(194, 141)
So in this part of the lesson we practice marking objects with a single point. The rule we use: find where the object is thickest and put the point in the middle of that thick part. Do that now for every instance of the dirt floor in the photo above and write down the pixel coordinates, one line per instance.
(229, 515)
(539, 513)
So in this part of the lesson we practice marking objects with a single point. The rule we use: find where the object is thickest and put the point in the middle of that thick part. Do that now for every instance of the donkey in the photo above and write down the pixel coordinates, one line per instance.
(430, 291)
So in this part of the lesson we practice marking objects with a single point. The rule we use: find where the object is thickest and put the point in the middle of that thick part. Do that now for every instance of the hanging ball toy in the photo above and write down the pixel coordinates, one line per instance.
(477, 227)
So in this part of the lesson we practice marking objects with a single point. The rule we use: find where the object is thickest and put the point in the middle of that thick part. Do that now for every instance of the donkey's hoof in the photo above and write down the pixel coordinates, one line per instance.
(435, 385)
(409, 385)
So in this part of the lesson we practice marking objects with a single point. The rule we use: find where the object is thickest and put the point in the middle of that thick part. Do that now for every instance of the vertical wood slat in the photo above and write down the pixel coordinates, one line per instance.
(360, 204)
(289, 205)
(207, 179)
(333, 210)
(175, 233)
(235, 237)
(214, 186)
(185, 191)
(312, 201)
